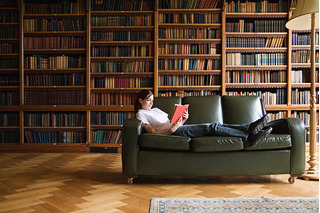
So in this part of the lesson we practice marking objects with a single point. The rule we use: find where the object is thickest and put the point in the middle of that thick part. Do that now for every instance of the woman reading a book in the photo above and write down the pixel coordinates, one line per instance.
(156, 121)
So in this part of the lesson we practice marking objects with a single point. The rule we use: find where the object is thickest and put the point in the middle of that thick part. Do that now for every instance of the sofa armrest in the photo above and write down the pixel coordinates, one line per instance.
(132, 128)
(295, 127)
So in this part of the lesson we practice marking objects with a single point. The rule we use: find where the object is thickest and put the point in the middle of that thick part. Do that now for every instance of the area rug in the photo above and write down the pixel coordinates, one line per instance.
(243, 205)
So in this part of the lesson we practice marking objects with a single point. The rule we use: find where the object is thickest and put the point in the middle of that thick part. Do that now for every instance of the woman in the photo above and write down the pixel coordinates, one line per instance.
(156, 121)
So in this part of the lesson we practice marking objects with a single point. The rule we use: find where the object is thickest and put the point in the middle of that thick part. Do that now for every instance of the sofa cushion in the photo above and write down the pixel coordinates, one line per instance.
(241, 109)
(273, 141)
(203, 109)
(216, 144)
(164, 142)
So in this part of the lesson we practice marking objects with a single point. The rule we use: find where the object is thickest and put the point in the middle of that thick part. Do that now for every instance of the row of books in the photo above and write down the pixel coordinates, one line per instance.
(122, 5)
(9, 137)
(57, 42)
(265, 76)
(189, 33)
(303, 56)
(186, 93)
(122, 51)
(111, 98)
(54, 136)
(54, 62)
(256, 42)
(256, 26)
(279, 96)
(58, 7)
(185, 48)
(121, 66)
(122, 36)
(122, 20)
(302, 96)
(6, 48)
(8, 64)
(9, 32)
(301, 76)
(9, 119)
(55, 97)
(189, 4)
(263, 6)
(53, 24)
(256, 59)
(305, 116)
(121, 82)
(9, 80)
(54, 119)
(72, 79)
(189, 64)
(9, 17)
(277, 115)
(106, 136)
(303, 38)
(189, 18)
(109, 118)
(9, 98)
(6, 3)
(189, 80)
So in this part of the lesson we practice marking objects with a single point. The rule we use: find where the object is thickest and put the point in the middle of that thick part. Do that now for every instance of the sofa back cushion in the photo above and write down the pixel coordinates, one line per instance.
(166, 104)
(241, 109)
(203, 109)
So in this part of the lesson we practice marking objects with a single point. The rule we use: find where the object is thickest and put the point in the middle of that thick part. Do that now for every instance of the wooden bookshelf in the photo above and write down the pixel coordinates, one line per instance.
(89, 59)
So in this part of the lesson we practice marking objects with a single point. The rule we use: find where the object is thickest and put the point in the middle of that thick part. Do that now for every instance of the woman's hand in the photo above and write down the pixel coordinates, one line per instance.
(177, 125)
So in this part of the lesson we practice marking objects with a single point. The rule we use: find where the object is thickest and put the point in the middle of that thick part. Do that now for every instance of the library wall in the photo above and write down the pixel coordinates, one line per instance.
(70, 70)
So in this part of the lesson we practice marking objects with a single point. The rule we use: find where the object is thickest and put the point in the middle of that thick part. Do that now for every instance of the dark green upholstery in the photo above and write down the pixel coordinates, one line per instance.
(204, 109)
(282, 152)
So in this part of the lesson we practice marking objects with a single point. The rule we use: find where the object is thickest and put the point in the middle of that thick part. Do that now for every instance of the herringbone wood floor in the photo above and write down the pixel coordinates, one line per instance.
(78, 182)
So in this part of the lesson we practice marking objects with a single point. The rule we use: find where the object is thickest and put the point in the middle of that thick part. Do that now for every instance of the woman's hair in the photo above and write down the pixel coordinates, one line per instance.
(143, 94)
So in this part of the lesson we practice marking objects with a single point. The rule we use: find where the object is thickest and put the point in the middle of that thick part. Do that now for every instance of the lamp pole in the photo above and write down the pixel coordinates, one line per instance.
(313, 172)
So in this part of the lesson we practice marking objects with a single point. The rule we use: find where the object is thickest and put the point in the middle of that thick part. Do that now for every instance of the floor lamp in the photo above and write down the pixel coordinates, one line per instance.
(306, 17)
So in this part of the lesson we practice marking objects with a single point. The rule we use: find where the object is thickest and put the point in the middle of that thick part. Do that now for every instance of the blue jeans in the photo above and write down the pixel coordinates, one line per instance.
(213, 129)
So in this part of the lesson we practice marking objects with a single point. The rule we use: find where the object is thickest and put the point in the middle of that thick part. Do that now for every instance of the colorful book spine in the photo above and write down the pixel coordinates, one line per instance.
(121, 82)
(122, 99)
(123, 20)
(187, 93)
(110, 118)
(54, 136)
(54, 119)
(189, 80)
(121, 66)
(106, 136)
(189, 33)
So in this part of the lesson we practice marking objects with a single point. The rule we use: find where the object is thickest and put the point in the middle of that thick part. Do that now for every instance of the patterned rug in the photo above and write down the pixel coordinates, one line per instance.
(239, 205)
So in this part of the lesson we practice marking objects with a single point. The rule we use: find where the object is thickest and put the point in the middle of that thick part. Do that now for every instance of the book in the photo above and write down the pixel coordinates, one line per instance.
(178, 111)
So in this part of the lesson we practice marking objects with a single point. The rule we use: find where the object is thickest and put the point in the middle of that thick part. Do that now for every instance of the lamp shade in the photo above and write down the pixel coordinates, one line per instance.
(301, 17)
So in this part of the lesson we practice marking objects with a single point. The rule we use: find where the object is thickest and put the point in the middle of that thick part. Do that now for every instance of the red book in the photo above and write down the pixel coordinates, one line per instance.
(178, 111)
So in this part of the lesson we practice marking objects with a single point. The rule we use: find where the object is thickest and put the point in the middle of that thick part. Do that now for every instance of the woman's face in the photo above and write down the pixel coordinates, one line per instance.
(147, 102)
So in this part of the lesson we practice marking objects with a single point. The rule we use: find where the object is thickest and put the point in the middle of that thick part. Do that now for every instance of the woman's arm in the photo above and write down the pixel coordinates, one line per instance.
(173, 128)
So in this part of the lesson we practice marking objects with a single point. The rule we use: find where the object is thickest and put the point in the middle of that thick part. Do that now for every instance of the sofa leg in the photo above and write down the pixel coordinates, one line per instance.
(292, 178)
(130, 180)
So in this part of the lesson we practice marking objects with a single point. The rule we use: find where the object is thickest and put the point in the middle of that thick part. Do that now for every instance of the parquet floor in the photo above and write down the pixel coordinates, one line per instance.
(87, 182)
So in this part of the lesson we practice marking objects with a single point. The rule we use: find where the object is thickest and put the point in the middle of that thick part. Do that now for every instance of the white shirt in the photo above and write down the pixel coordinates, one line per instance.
(157, 118)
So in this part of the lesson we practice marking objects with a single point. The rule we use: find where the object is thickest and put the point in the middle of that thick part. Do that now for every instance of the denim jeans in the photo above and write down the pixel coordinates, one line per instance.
(213, 129)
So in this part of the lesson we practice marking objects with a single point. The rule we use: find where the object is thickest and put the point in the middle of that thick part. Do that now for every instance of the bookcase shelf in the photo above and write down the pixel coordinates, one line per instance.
(168, 31)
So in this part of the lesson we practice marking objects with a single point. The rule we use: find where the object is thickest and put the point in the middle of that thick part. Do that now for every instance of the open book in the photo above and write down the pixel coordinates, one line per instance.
(178, 111)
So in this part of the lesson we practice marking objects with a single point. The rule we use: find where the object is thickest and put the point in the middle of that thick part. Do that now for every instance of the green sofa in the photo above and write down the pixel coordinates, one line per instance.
(282, 152)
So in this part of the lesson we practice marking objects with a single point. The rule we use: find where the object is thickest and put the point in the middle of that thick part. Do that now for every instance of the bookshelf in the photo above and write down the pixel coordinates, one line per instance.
(70, 70)
(9, 72)
(189, 48)
(121, 64)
